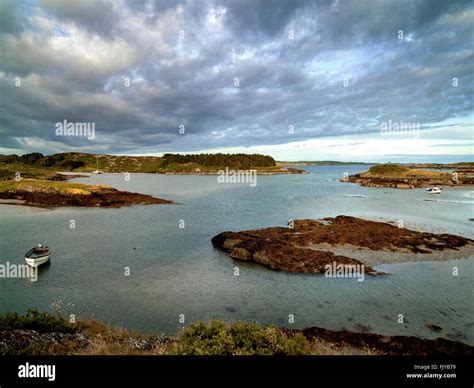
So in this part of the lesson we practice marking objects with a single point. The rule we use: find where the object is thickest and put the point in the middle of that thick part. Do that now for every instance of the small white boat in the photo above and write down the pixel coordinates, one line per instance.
(433, 190)
(37, 256)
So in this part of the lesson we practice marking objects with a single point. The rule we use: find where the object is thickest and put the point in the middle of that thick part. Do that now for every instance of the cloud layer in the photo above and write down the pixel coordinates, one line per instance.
(230, 73)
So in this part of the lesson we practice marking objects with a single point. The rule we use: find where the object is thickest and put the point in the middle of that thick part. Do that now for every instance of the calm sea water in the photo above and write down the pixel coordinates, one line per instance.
(177, 271)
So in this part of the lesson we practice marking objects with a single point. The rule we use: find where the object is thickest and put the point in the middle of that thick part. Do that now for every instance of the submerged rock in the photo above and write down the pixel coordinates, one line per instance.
(434, 327)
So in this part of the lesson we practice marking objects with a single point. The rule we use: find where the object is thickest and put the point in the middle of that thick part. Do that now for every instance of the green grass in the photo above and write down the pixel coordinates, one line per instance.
(389, 170)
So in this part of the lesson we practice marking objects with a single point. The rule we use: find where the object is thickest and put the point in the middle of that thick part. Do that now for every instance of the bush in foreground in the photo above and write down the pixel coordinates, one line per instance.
(213, 338)
(240, 338)
(41, 322)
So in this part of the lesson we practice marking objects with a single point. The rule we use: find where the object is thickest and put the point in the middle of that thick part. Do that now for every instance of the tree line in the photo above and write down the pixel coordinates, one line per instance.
(221, 160)
(241, 161)
(39, 160)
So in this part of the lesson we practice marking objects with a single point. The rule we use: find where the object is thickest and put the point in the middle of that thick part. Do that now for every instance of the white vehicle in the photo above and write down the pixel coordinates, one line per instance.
(37, 256)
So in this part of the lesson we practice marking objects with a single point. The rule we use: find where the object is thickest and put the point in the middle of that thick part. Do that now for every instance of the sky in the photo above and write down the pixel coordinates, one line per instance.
(299, 80)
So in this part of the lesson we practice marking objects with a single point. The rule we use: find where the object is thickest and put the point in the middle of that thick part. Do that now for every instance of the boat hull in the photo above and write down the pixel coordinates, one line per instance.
(35, 262)
(434, 190)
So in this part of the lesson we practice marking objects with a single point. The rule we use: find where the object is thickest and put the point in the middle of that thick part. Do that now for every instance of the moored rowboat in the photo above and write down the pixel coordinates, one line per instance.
(37, 256)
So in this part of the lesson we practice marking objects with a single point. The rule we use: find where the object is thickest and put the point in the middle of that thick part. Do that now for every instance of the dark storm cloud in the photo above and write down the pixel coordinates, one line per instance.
(94, 15)
(253, 18)
(140, 69)
(10, 17)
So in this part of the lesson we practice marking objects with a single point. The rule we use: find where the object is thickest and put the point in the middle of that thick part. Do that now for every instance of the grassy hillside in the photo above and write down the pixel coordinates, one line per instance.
(397, 171)
(36, 165)
(114, 163)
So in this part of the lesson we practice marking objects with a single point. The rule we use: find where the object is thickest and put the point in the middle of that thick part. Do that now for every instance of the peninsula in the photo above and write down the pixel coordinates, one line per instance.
(47, 193)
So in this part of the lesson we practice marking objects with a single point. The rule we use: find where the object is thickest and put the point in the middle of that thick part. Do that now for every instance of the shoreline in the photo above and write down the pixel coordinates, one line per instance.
(288, 171)
(92, 337)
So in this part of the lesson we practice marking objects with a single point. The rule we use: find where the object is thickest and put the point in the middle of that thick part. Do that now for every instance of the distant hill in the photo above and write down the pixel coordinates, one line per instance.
(456, 166)
(321, 163)
(36, 165)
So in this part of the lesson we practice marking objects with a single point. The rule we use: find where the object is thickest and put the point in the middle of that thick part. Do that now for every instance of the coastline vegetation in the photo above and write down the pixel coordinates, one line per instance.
(96, 338)
(42, 333)
(37, 165)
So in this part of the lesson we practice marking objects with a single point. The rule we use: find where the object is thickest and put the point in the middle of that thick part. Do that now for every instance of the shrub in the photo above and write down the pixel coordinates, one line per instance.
(71, 164)
(31, 158)
(41, 322)
(218, 338)
(49, 161)
(7, 159)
